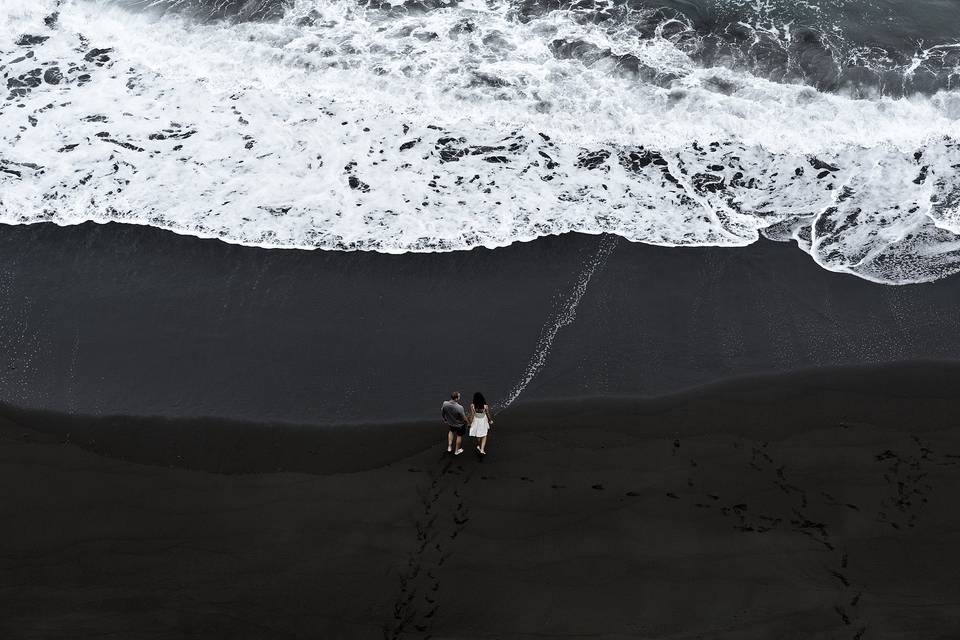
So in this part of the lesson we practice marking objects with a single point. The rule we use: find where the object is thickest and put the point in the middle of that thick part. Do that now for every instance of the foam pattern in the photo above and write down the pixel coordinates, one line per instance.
(435, 126)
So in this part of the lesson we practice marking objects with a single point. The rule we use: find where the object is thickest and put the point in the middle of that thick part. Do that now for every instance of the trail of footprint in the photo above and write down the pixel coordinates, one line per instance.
(906, 476)
(418, 600)
(405, 609)
(797, 521)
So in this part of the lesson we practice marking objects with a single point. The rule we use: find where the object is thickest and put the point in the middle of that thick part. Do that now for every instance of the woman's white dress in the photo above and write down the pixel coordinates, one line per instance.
(480, 424)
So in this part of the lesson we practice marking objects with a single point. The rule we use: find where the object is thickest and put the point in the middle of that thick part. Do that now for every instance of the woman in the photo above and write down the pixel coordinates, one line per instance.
(480, 421)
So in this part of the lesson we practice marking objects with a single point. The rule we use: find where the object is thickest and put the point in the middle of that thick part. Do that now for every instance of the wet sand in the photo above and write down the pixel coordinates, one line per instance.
(116, 319)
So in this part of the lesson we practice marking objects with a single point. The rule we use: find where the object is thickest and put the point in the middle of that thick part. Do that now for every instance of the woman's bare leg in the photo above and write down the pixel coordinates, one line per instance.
(483, 444)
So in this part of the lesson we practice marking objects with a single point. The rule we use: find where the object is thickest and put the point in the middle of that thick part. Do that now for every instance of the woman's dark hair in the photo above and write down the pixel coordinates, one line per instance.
(479, 402)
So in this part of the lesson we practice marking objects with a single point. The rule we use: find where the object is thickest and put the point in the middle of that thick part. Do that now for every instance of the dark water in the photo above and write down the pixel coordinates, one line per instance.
(865, 47)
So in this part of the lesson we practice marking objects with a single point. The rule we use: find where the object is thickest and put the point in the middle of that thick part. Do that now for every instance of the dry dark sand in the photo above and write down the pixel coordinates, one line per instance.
(814, 505)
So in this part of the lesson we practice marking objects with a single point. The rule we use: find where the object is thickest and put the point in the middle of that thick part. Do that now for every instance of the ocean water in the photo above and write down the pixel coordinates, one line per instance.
(440, 125)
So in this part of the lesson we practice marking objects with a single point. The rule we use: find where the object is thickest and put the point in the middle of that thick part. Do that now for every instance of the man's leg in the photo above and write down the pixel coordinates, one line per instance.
(449, 440)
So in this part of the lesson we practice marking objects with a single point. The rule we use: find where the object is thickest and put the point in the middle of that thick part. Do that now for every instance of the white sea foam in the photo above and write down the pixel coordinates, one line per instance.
(346, 128)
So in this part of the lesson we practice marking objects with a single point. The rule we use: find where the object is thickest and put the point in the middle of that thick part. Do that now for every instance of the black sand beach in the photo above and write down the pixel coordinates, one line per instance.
(206, 434)
(815, 505)
(200, 440)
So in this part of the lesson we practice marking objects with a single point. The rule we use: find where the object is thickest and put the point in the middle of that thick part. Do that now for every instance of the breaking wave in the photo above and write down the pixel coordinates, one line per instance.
(437, 126)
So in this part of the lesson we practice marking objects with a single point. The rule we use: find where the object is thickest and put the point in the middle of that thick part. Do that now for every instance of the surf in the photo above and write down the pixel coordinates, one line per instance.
(446, 126)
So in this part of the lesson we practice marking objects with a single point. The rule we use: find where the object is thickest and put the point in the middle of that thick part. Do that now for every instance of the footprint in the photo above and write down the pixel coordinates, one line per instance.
(598, 487)
(632, 494)
(673, 495)
(842, 578)
(788, 488)
(843, 615)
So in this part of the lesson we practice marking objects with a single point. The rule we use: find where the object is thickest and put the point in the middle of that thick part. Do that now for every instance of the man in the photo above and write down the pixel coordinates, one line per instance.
(456, 420)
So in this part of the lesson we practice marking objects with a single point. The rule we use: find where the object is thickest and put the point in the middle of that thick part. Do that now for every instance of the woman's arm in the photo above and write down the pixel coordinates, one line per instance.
(471, 414)
(486, 410)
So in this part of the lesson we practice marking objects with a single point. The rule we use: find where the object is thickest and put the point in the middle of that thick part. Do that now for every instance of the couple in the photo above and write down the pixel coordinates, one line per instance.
(457, 420)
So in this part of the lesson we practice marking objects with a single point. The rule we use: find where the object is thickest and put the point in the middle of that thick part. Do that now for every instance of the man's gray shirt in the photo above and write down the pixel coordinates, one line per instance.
(453, 414)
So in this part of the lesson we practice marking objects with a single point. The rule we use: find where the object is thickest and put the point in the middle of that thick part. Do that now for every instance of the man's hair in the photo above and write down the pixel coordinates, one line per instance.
(454, 395)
